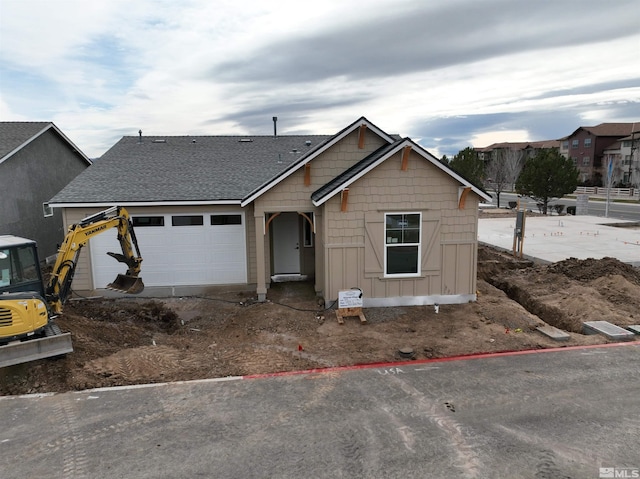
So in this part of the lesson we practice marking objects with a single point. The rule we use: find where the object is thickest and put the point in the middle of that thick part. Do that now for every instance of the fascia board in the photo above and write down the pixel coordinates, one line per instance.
(144, 203)
(425, 154)
(80, 152)
(303, 161)
(41, 132)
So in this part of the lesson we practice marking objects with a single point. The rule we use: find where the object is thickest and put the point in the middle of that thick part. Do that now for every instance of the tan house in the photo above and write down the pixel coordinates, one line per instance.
(358, 209)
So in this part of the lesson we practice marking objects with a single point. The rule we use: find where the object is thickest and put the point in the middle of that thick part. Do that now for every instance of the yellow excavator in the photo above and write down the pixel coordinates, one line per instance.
(29, 304)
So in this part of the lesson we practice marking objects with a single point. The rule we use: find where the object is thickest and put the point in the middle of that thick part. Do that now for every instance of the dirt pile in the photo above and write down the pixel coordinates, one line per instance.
(133, 341)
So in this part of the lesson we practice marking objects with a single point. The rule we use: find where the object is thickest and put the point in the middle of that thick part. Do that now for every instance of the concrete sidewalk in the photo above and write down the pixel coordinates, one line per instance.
(556, 238)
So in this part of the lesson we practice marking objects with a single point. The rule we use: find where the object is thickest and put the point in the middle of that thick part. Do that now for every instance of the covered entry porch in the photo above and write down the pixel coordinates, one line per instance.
(287, 248)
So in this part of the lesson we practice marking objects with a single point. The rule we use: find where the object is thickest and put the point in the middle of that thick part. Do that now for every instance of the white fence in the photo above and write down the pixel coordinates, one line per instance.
(630, 193)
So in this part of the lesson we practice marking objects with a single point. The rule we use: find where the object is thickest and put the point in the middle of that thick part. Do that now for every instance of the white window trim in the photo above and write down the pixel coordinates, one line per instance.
(418, 244)
(47, 210)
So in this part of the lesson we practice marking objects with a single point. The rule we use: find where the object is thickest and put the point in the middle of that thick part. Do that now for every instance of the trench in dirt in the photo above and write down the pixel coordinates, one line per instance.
(493, 271)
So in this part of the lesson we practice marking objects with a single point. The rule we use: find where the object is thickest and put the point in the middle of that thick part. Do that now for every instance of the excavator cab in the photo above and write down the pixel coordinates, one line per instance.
(23, 310)
(19, 265)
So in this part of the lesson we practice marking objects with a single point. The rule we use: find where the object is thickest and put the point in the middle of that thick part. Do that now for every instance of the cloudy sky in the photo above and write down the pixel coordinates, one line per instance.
(447, 73)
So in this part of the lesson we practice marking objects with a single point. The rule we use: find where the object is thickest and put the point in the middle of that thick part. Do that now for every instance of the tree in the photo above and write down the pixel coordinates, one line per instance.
(503, 169)
(468, 164)
(546, 176)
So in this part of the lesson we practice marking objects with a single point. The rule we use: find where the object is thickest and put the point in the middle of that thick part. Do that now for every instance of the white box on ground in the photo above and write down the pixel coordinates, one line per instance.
(350, 298)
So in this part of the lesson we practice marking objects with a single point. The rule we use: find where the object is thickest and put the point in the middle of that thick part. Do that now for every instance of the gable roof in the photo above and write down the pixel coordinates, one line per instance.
(357, 171)
(156, 170)
(520, 145)
(362, 121)
(610, 129)
(15, 135)
(185, 169)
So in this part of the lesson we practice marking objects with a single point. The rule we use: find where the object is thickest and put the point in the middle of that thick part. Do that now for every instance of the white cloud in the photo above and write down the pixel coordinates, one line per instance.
(102, 69)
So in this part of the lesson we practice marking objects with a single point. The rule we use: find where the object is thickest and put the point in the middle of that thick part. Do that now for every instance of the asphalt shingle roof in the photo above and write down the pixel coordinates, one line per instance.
(15, 133)
(187, 168)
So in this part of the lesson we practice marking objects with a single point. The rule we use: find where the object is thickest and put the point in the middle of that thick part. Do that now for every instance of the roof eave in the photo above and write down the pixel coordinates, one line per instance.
(106, 204)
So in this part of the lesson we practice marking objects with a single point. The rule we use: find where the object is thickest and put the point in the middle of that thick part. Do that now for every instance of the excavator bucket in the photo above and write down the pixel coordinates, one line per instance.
(127, 284)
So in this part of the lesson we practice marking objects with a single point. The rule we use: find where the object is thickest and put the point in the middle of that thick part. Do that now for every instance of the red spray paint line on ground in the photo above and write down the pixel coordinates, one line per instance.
(438, 360)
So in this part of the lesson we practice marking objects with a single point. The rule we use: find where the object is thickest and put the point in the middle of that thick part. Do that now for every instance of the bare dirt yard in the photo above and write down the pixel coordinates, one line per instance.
(142, 340)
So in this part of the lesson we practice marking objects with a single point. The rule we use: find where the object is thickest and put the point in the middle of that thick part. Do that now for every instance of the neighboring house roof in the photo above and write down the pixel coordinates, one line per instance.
(15, 135)
(365, 165)
(185, 169)
(520, 145)
(610, 129)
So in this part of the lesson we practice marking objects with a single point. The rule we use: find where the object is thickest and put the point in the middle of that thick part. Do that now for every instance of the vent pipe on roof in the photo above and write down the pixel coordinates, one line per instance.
(140, 136)
(275, 130)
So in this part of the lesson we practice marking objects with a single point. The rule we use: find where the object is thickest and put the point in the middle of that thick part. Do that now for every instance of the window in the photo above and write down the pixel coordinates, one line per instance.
(141, 221)
(219, 220)
(626, 144)
(47, 210)
(402, 244)
(575, 143)
(627, 160)
(565, 145)
(586, 160)
(575, 160)
(18, 266)
(187, 220)
(307, 231)
(587, 142)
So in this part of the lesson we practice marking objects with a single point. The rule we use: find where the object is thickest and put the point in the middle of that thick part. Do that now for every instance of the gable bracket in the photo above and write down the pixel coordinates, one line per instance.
(307, 174)
(405, 158)
(463, 191)
(344, 197)
(271, 218)
(312, 223)
(361, 132)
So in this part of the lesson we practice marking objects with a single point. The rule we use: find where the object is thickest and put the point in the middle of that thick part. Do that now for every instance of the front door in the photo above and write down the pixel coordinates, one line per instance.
(286, 244)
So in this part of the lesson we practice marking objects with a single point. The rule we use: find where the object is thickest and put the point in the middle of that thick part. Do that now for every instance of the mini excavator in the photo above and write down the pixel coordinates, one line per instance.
(29, 305)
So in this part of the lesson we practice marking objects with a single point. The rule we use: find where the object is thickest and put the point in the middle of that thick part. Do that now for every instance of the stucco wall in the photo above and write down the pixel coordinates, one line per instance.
(31, 177)
(354, 240)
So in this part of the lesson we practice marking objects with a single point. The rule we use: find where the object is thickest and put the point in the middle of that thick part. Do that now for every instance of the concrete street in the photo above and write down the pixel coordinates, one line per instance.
(558, 414)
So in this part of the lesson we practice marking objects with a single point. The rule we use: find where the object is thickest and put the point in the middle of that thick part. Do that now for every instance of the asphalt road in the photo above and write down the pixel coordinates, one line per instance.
(623, 211)
(555, 414)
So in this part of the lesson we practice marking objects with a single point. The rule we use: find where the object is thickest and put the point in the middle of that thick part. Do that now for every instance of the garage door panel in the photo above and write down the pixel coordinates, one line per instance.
(178, 255)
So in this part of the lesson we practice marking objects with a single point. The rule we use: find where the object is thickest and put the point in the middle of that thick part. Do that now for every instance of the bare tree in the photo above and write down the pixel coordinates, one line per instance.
(503, 168)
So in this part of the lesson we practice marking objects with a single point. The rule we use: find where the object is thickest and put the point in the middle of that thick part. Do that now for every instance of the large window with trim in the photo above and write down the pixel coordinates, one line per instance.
(402, 244)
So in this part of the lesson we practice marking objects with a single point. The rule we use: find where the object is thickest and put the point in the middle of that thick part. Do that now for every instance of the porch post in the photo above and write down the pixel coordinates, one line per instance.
(261, 287)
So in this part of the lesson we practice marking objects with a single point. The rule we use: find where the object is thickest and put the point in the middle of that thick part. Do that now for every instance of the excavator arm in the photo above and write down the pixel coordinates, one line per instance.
(58, 287)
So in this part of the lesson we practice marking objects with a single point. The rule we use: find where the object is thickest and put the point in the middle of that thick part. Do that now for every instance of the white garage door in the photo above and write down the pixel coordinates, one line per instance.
(179, 250)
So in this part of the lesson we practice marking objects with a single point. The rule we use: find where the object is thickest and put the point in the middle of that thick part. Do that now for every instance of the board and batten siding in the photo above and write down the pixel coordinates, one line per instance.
(354, 239)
